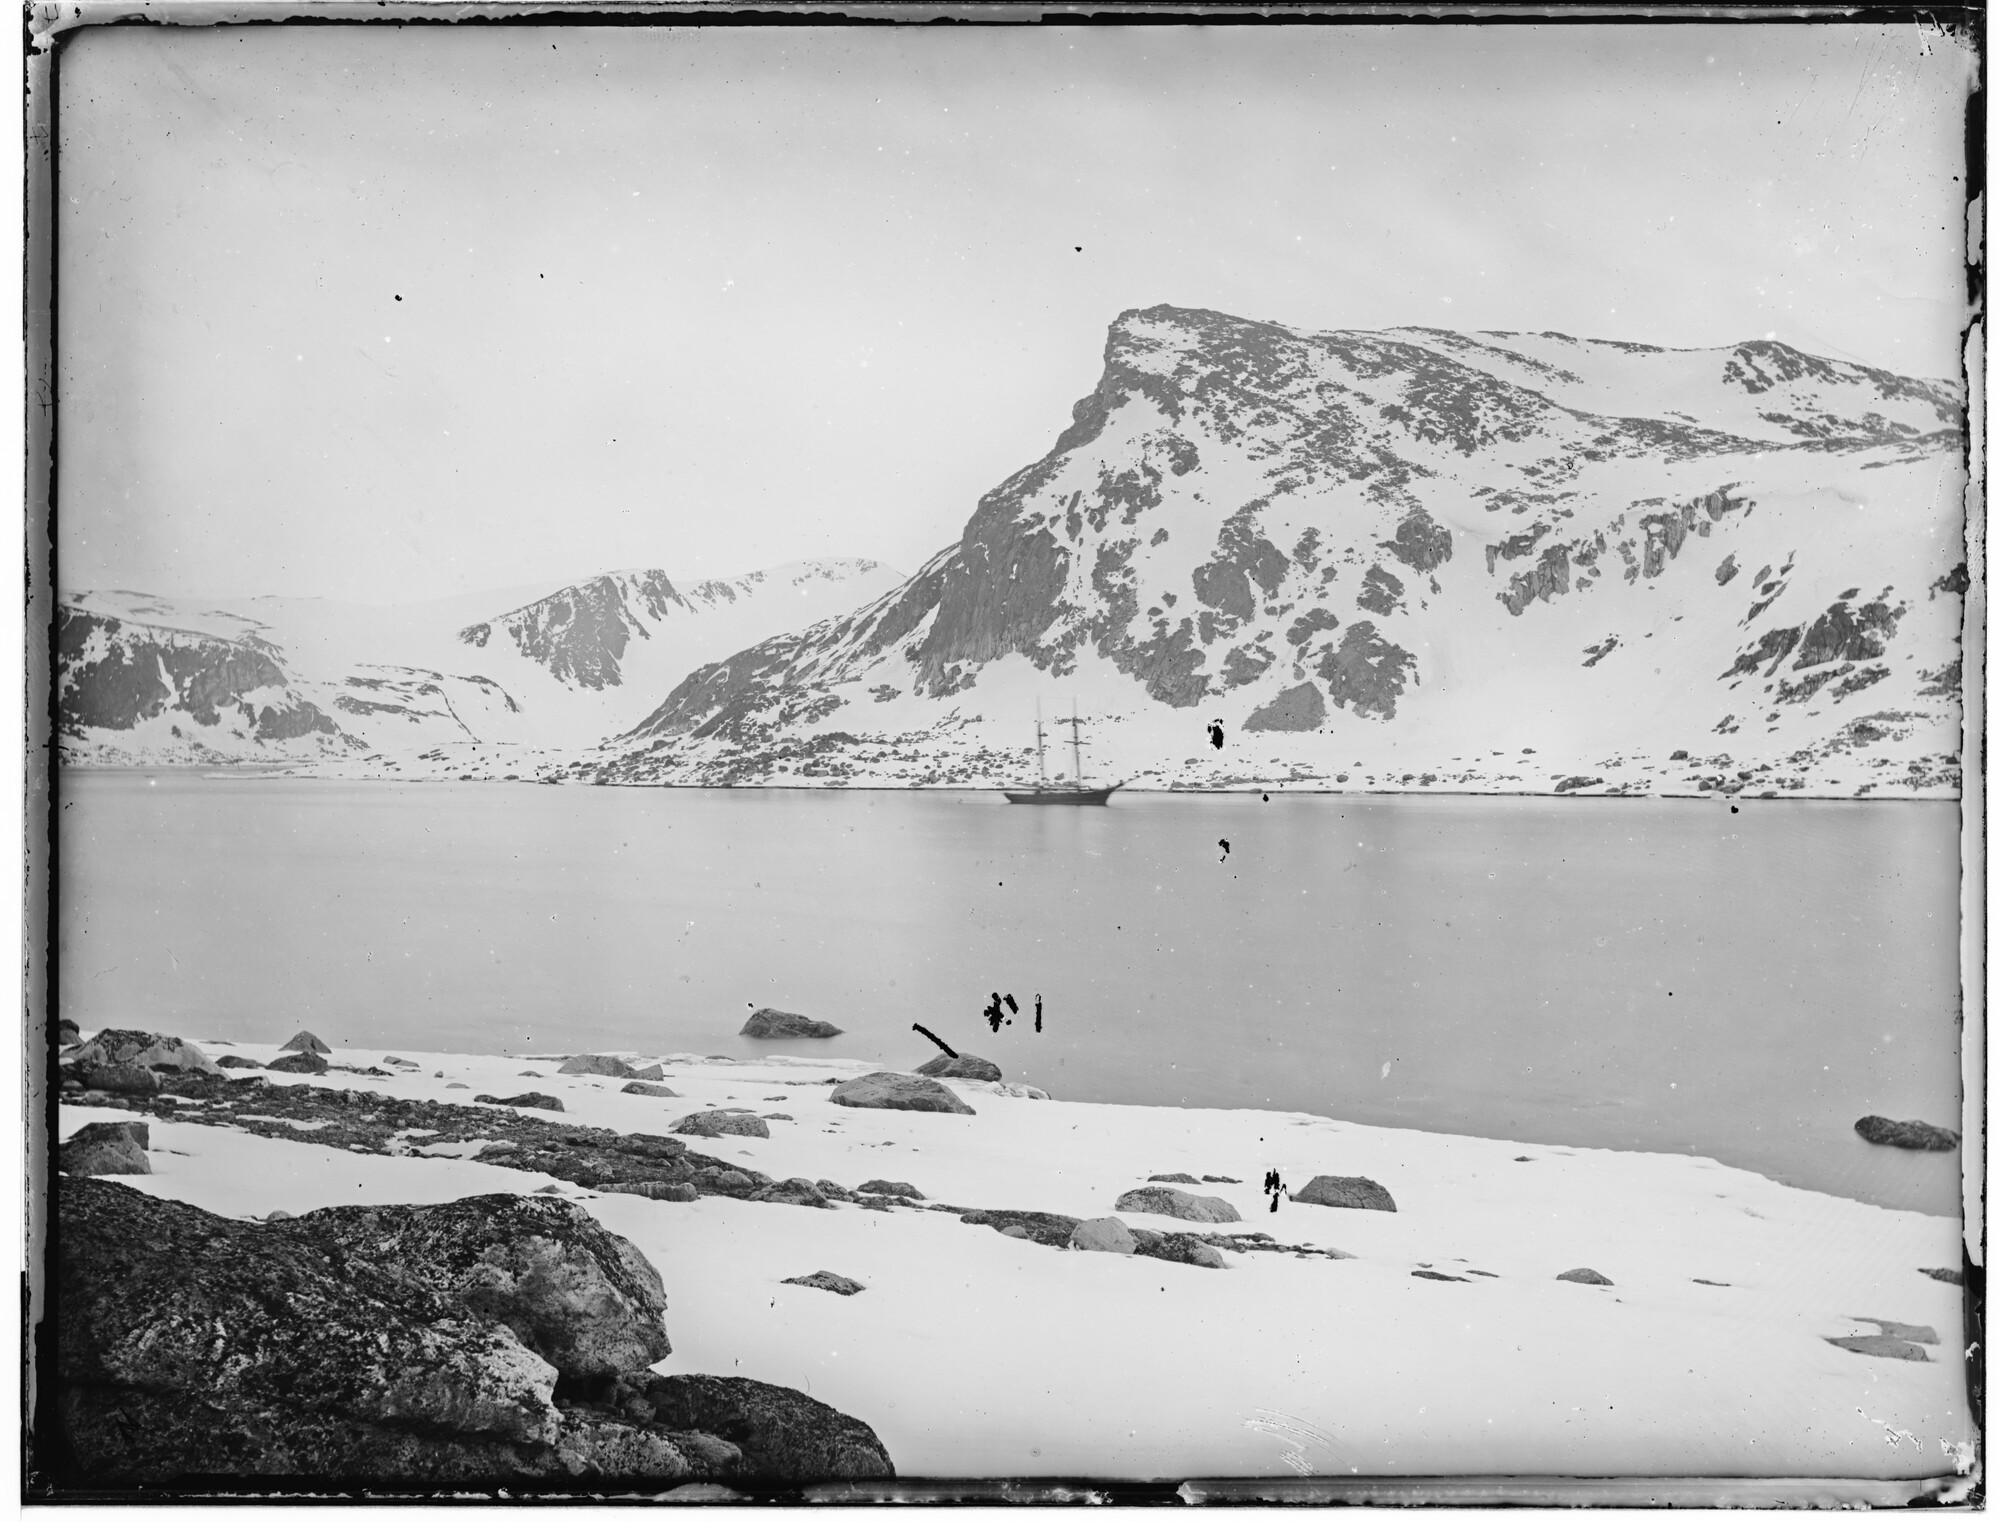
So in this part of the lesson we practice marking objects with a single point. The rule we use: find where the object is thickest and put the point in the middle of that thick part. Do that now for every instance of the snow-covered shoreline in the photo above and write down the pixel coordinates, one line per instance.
(973, 1353)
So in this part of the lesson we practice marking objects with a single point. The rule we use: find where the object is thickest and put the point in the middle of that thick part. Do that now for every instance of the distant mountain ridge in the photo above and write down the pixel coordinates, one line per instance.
(580, 634)
(411, 689)
(1393, 557)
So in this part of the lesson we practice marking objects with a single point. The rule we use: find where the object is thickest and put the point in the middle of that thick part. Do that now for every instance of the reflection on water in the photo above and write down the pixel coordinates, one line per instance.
(1668, 975)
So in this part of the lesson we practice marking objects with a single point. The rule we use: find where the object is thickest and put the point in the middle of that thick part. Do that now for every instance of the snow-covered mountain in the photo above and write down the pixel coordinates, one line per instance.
(1405, 558)
(489, 682)
(205, 689)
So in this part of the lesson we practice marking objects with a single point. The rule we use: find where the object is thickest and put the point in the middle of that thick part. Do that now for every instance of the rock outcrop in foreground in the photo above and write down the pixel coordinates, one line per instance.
(494, 1339)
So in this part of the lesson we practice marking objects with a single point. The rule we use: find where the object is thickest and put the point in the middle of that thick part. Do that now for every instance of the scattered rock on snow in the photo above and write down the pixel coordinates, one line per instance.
(1045, 1227)
(522, 1101)
(106, 1147)
(1346, 1193)
(722, 1123)
(678, 1193)
(231, 1060)
(822, 1279)
(1104, 1234)
(964, 1065)
(792, 1191)
(1944, 1275)
(1207, 1208)
(298, 1062)
(306, 1041)
(1172, 1178)
(650, 1090)
(898, 1091)
(1583, 1276)
(607, 1067)
(900, 1190)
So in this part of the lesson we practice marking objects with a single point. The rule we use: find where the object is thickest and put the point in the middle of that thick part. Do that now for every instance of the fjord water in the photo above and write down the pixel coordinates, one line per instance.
(1736, 981)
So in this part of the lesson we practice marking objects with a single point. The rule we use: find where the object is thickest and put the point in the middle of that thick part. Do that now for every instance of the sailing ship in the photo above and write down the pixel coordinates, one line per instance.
(1072, 791)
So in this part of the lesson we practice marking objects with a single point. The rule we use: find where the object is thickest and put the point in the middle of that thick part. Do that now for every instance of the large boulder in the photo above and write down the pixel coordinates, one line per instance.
(783, 1434)
(781, 1025)
(584, 1299)
(115, 1078)
(1157, 1199)
(188, 1345)
(395, 1343)
(1345, 1193)
(67, 1033)
(1104, 1234)
(106, 1147)
(1911, 1135)
(141, 1049)
(722, 1123)
(649, 1090)
(306, 1041)
(298, 1062)
(898, 1091)
(964, 1065)
(608, 1067)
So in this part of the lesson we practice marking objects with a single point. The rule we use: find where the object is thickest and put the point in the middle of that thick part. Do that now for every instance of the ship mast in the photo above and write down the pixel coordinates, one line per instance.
(1075, 744)
(1041, 758)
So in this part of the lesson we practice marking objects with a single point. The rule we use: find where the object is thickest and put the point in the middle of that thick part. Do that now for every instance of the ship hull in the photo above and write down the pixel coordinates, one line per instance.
(1068, 795)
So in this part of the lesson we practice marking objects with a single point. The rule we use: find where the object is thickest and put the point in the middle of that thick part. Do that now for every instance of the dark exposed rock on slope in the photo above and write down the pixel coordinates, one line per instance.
(115, 675)
(492, 1339)
(580, 634)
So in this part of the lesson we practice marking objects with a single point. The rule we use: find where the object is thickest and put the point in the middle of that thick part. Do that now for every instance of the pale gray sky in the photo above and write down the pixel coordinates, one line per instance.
(388, 313)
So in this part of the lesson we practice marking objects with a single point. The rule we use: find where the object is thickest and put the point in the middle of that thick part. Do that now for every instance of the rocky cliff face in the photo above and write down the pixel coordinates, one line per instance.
(219, 695)
(580, 634)
(1404, 558)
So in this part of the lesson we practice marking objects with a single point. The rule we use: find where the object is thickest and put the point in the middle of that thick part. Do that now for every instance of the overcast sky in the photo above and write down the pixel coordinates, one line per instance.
(384, 313)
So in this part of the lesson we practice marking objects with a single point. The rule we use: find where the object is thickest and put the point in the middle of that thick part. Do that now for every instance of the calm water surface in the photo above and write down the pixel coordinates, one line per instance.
(1665, 975)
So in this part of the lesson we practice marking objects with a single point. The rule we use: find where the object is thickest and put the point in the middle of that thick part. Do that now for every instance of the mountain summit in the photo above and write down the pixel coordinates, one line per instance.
(1489, 560)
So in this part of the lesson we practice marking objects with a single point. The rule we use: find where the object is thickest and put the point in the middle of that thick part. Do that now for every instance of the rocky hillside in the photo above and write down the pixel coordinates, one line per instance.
(206, 695)
(1413, 558)
(611, 646)
(413, 689)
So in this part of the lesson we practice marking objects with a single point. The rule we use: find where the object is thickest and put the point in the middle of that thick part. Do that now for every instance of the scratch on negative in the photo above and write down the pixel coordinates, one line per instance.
(1297, 1435)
